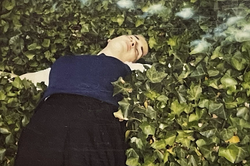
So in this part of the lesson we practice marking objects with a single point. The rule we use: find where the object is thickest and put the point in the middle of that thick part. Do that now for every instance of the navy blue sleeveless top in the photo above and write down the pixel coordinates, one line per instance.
(87, 75)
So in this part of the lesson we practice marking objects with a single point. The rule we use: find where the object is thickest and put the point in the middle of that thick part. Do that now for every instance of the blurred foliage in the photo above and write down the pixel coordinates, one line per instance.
(190, 108)
(18, 99)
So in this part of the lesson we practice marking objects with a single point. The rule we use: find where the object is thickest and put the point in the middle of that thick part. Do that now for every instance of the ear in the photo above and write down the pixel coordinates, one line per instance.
(109, 40)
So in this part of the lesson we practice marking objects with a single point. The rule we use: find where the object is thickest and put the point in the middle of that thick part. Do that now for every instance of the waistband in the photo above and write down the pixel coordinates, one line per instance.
(75, 98)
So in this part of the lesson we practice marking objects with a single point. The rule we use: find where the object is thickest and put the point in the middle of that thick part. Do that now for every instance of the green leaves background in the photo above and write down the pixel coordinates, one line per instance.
(181, 111)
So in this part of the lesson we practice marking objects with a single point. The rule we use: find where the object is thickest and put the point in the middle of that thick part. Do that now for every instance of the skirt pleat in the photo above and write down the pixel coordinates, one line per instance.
(72, 130)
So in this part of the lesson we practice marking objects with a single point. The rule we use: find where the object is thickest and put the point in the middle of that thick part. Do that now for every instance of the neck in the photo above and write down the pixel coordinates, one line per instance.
(108, 52)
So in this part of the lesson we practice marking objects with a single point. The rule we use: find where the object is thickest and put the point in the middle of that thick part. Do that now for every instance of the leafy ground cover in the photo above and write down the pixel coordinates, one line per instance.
(190, 108)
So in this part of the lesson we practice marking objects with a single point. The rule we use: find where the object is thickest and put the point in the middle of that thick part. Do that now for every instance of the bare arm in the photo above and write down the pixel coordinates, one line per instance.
(137, 66)
(37, 77)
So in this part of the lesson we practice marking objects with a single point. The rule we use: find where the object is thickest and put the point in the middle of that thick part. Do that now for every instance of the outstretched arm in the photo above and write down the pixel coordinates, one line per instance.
(43, 75)
(137, 66)
(37, 77)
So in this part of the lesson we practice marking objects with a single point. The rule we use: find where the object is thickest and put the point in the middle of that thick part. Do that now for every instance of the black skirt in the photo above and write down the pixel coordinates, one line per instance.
(72, 130)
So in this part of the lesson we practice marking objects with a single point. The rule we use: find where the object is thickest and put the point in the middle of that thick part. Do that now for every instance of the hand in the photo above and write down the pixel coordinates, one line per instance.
(137, 66)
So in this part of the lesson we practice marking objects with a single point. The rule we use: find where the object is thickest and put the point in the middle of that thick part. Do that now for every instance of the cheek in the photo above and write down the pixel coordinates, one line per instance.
(119, 48)
(133, 56)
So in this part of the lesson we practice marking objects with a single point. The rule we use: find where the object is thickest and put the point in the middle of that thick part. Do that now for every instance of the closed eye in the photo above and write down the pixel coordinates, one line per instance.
(136, 37)
(141, 47)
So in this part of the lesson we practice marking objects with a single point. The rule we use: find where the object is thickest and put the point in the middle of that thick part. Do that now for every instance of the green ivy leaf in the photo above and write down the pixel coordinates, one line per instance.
(245, 140)
(213, 73)
(212, 83)
(17, 83)
(170, 140)
(193, 117)
(238, 61)
(46, 43)
(204, 103)
(194, 92)
(217, 53)
(209, 133)
(246, 86)
(233, 153)
(32, 46)
(162, 98)
(226, 134)
(228, 81)
(192, 160)
(4, 130)
(119, 19)
(5, 15)
(49, 56)
(239, 123)
(125, 107)
(2, 154)
(139, 22)
(172, 41)
(85, 28)
(152, 42)
(247, 77)
(151, 94)
(30, 55)
(120, 86)
(243, 152)
(2, 95)
(9, 4)
(25, 120)
(9, 139)
(137, 141)
(147, 128)
(159, 144)
(207, 152)
(243, 112)
(148, 112)
(198, 72)
(155, 76)
(132, 157)
(150, 158)
(202, 142)
(217, 109)
(231, 104)
(177, 108)
(185, 137)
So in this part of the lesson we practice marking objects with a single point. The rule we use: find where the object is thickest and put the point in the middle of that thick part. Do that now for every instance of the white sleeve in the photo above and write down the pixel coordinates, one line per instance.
(137, 66)
(37, 77)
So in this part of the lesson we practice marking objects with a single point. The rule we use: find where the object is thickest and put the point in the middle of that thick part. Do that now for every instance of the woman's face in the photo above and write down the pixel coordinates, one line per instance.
(129, 48)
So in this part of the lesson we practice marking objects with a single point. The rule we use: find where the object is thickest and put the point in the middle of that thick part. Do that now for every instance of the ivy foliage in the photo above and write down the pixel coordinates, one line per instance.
(18, 99)
(190, 108)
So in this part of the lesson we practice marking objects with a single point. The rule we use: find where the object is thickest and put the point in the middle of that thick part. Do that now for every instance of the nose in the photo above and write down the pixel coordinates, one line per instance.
(132, 41)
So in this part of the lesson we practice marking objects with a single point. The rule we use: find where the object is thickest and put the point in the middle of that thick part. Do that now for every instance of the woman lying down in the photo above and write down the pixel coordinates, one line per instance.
(74, 124)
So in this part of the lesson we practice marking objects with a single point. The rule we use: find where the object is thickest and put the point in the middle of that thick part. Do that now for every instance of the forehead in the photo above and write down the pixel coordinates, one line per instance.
(143, 43)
